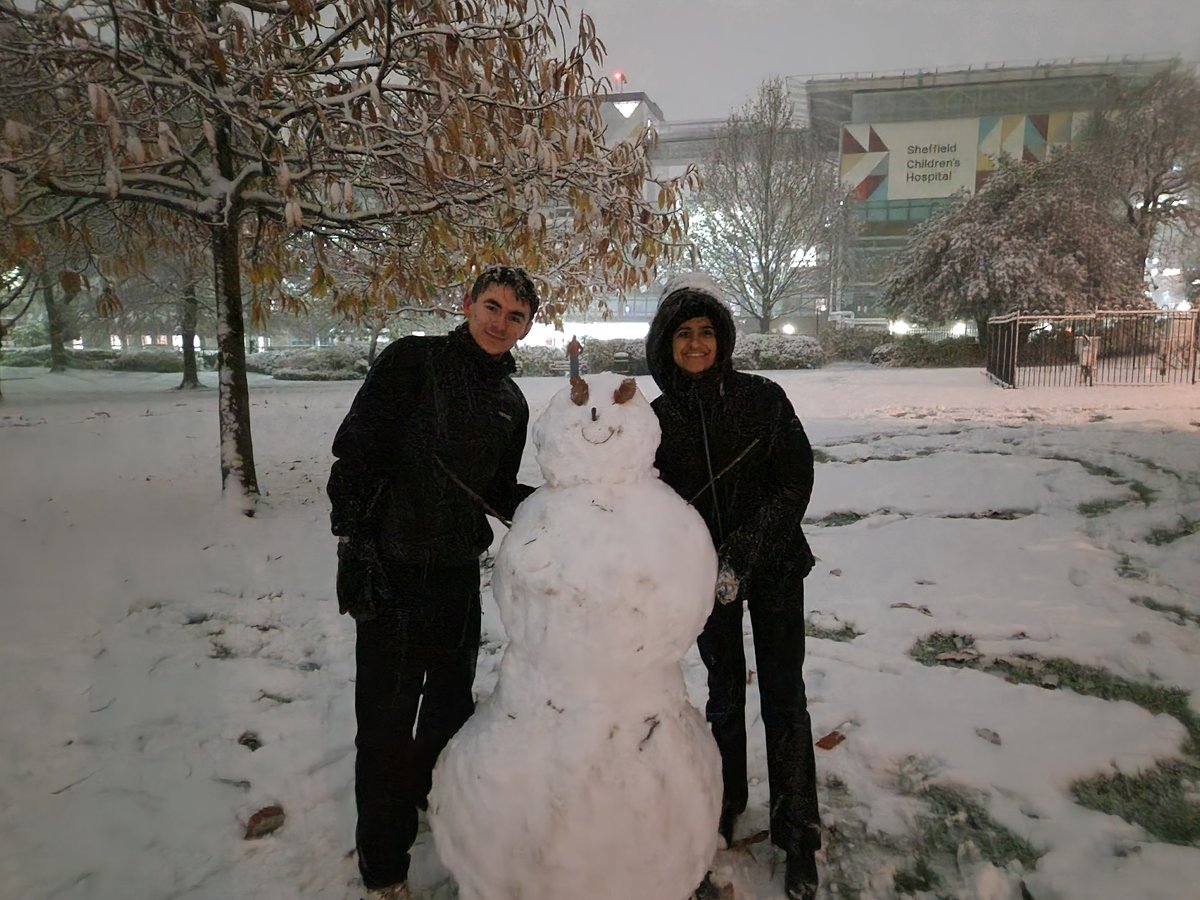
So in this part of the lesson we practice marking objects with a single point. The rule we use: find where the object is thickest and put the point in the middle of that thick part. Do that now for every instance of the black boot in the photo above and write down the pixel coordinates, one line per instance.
(800, 878)
(725, 826)
(707, 890)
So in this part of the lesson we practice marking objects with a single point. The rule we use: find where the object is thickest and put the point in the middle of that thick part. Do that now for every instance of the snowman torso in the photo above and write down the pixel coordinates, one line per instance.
(587, 772)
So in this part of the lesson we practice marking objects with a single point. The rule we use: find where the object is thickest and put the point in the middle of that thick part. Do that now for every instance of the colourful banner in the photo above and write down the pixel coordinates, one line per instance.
(911, 160)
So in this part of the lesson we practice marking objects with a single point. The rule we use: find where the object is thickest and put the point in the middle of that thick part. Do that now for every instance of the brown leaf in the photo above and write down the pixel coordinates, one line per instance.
(70, 282)
(964, 655)
(988, 735)
(920, 609)
(831, 740)
(264, 822)
(626, 390)
(108, 304)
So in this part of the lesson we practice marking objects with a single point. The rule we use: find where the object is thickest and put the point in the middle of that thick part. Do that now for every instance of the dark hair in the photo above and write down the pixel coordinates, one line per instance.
(508, 276)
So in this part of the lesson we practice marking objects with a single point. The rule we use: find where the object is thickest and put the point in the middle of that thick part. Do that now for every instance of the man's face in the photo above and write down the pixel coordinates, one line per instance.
(497, 319)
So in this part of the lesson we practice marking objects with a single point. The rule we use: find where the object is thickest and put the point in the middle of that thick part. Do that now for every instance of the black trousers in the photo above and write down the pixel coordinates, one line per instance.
(418, 652)
(777, 622)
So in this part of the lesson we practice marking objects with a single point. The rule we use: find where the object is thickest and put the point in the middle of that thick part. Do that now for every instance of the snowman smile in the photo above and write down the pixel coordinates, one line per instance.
(592, 436)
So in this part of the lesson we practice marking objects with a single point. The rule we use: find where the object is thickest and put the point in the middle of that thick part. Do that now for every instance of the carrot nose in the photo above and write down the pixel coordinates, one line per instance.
(579, 390)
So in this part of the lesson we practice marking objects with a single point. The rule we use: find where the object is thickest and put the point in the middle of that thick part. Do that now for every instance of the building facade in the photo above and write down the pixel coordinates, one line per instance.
(907, 142)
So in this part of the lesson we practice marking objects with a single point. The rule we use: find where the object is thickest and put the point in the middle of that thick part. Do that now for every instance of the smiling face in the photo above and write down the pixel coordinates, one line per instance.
(694, 345)
(497, 319)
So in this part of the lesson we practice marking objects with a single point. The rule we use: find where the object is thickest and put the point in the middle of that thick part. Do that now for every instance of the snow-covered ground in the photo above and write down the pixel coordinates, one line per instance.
(168, 667)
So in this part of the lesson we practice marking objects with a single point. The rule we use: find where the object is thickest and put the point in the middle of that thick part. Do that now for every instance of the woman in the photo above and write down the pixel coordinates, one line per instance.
(734, 448)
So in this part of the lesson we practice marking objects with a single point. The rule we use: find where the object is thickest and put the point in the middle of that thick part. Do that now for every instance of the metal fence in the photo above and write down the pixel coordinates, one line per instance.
(1116, 347)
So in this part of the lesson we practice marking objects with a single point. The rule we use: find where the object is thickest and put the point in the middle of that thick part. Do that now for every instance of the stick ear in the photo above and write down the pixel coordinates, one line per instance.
(579, 390)
(625, 390)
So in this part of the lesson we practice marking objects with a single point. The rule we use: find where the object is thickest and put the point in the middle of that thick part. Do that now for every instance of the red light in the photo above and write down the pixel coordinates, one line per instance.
(618, 76)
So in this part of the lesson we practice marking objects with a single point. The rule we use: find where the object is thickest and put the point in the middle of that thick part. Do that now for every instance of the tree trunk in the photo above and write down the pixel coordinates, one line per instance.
(373, 346)
(764, 324)
(1143, 245)
(233, 404)
(983, 336)
(187, 328)
(54, 321)
(233, 393)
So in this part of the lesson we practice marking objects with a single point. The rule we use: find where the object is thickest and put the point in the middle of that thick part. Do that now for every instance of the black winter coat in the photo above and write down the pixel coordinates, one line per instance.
(436, 431)
(753, 510)
(741, 430)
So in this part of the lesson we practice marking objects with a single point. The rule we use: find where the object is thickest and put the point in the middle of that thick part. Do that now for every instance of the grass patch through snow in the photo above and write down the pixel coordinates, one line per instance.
(1091, 508)
(1186, 528)
(1162, 799)
(845, 634)
(1176, 613)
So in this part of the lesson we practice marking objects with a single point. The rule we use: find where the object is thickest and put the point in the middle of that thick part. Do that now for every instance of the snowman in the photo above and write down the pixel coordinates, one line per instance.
(588, 773)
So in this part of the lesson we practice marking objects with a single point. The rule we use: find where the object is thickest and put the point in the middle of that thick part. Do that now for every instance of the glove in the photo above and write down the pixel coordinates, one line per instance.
(727, 583)
(357, 577)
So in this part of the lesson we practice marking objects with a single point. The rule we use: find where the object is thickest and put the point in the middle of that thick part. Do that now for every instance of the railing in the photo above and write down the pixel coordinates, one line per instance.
(1105, 347)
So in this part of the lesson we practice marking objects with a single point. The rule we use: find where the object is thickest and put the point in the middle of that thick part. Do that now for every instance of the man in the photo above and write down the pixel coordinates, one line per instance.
(432, 442)
(573, 350)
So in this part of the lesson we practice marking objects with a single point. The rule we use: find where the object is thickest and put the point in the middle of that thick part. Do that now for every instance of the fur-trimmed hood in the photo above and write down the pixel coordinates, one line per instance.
(686, 297)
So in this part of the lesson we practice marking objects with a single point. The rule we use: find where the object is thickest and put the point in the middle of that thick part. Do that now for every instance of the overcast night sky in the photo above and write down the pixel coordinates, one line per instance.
(700, 59)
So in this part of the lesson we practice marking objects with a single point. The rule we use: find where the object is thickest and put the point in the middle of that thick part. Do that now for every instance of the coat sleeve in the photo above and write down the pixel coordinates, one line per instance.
(505, 493)
(366, 447)
(773, 536)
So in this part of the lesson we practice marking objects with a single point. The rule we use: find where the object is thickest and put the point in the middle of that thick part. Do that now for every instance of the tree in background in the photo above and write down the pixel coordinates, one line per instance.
(1033, 237)
(472, 124)
(1143, 152)
(57, 265)
(1189, 275)
(763, 220)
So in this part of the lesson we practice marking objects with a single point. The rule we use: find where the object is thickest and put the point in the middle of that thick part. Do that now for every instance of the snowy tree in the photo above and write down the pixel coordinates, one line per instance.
(1030, 238)
(1143, 151)
(161, 284)
(56, 268)
(1189, 258)
(764, 219)
(15, 300)
(472, 124)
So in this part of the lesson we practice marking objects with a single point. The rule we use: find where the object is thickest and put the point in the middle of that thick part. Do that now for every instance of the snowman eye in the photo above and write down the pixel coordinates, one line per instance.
(595, 415)
(626, 390)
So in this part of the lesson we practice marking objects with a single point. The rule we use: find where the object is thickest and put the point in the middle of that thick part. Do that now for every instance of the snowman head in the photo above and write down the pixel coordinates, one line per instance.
(599, 430)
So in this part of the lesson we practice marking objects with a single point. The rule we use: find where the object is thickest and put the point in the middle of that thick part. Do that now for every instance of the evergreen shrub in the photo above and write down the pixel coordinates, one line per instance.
(153, 359)
(338, 362)
(537, 360)
(33, 357)
(777, 351)
(598, 354)
(26, 357)
(913, 351)
(289, 374)
(848, 344)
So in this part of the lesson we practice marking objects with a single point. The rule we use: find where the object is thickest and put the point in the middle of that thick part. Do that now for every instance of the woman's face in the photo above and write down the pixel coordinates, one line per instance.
(694, 345)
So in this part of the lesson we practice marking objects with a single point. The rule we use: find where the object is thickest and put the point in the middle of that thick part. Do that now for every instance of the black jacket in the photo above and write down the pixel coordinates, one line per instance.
(436, 432)
(741, 430)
